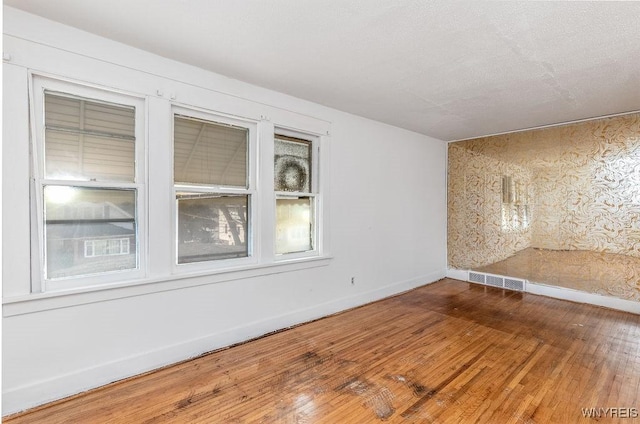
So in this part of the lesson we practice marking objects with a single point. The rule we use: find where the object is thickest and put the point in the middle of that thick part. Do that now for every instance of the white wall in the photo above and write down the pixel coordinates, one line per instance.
(387, 213)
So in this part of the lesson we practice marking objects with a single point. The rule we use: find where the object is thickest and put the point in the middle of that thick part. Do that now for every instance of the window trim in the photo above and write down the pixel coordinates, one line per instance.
(38, 86)
(36, 302)
(156, 272)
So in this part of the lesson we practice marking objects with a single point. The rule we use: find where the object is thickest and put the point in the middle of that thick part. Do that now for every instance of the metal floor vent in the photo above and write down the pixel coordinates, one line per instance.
(499, 281)
(476, 277)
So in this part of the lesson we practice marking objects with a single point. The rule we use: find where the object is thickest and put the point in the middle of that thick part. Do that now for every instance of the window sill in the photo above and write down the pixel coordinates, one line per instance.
(38, 302)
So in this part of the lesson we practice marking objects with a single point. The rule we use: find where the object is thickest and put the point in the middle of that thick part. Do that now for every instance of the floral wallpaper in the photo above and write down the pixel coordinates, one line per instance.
(572, 188)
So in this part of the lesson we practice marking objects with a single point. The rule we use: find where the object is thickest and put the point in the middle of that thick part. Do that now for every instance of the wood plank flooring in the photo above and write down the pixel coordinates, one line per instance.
(449, 352)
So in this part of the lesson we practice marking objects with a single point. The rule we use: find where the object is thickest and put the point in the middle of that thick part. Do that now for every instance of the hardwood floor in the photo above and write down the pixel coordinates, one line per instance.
(449, 352)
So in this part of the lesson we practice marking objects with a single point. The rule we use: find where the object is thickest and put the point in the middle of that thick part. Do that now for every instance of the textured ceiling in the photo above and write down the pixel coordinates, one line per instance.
(451, 70)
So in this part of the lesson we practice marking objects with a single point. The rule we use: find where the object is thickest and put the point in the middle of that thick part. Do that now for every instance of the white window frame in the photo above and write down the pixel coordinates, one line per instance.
(315, 192)
(253, 227)
(37, 86)
(154, 92)
(123, 247)
(157, 259)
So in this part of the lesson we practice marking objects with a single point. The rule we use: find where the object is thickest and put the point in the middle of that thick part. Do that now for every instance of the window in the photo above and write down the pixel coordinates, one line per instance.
(194, 192)
(213, 188)
(88, 140)
(106, 247)
(295, 195)
(86, 168)
(76, 215)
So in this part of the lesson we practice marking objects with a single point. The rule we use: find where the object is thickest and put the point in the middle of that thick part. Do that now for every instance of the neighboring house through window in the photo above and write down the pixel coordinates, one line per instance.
(92, 223)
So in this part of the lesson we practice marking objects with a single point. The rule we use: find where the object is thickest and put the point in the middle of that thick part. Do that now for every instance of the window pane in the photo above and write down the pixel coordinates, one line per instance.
(292, 164)
(88, 140)
(89, 231)
(209, 153)
(211, 227)
(294, 225)
(106, 247)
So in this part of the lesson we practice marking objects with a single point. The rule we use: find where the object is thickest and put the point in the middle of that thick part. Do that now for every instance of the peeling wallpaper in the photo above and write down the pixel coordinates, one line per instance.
(577, 189)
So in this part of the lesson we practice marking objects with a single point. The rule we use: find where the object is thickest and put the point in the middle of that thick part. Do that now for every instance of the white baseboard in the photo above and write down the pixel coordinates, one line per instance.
(458, 274)
(584, 297)
(28, 396)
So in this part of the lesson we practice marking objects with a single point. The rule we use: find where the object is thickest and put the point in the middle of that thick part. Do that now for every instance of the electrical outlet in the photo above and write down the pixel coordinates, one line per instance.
(353, 281)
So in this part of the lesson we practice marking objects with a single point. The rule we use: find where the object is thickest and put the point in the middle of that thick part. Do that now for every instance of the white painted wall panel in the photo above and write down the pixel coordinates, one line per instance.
(387, 215)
